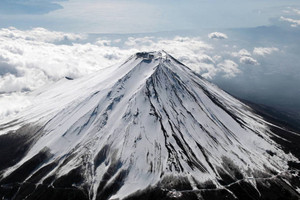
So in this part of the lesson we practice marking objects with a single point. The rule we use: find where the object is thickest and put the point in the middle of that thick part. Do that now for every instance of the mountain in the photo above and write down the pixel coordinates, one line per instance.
(149, 128)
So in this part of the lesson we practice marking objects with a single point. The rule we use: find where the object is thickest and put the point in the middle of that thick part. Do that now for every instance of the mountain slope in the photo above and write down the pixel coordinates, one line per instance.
(147, 127)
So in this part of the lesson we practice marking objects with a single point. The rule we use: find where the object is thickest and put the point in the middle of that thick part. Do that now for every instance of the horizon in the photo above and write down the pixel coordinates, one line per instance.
(140, 16)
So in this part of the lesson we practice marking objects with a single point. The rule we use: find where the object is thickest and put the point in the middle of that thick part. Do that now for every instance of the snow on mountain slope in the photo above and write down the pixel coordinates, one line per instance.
(143, 123)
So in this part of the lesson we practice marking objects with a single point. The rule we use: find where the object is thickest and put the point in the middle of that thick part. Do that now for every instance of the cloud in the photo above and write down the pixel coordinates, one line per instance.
(12, 7)
(30, 59)
(262, 51)
(39, 35)
(229, 68)
(248, 60)
(296, 11)
(14, 103)
(294, 22)
(290, 10)
(217, 35)
(208, 71)
(103, 42)
(245, 57)
(206, 59)
(242, 52)
(144, 41)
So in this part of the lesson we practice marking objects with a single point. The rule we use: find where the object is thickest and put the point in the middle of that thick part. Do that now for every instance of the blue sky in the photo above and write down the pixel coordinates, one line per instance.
(30, 7)
(134, 16)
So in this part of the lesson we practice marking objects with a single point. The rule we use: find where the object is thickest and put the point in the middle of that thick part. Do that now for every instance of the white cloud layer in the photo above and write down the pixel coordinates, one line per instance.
(32, 63)
(229, 68)
(294, 22)
(297, 11)
(39, 35)
(245, 57)
(290, 10)
(12, 103)
(217, 35)
(242, 52)
(248, 60)
(263, 51)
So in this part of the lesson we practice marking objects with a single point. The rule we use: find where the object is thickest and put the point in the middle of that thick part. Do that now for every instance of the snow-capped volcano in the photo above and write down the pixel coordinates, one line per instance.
(149, 124)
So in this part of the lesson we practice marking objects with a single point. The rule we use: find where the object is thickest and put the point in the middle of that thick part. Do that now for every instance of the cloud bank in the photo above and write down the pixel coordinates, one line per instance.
(241, 53)
(39, 35)
(217, 35)
(263, 51)
(248, 60)
(294, 22)
(245, 57)
(229, 68)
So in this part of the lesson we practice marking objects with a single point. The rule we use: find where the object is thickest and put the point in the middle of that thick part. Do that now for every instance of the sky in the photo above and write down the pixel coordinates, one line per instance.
(128, 16)
(248, 48)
